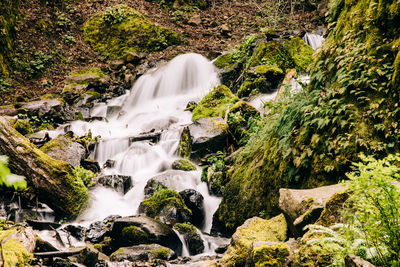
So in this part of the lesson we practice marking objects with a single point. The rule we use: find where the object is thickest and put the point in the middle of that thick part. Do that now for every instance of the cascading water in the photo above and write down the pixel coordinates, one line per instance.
(156, 102)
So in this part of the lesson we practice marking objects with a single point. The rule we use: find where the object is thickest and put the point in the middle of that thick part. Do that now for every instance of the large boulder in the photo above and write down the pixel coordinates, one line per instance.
(191, 236)
(253, 230)
(269, 253)
(143, 253)
(208, 135)
(135, 230)
(56, 182)
(63, 148)
(304, 206)
(194, 201)
(167, 206)
(17, 245)
(121, 29)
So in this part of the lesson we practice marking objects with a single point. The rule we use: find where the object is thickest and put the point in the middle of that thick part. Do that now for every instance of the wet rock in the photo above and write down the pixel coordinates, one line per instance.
(41, 108)
(120, 183)
(253, 230)
(191, 236)
(91, 257)
(8, 110)
(355, 261)
(100, 229)
(167, 206)
(135, 230)
(41, 225)
(221, 249)
(91, 165)
(215, 178)
(118, 90)
(183, 165)
(153, 137)
(60, 262)
(160, 124)
(43, 246)
(63, 148)
(304, 206)
(76, 231)
(109, 164)
(39, 138)
(143, 253)
(194, 201)
(152, 186)
(208, 136)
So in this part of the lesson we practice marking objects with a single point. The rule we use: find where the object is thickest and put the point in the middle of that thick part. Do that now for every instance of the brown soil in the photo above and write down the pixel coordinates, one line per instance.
(221, 26)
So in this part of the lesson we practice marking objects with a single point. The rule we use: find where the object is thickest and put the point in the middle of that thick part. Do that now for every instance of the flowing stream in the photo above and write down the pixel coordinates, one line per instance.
(155, 103)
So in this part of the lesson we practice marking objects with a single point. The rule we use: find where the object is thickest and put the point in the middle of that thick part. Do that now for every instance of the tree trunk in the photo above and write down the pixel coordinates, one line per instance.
(54, 180)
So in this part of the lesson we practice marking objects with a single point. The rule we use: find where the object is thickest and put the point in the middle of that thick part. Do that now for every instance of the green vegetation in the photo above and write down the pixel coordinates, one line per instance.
(311, 138)
(214, 173)
(85, 175)
(214, 104)
(8, 179)
(192, 238)
(13, 250)
(371, 213)
(23, 126)
(183, 164)
(274, 254)
(121, 29)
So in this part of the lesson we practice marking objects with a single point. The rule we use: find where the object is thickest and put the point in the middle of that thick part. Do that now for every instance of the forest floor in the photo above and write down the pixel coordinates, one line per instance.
(50, 39)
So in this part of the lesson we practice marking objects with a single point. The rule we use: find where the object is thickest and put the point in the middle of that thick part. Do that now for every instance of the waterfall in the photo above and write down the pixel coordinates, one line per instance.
(313, 39)
(156, 103)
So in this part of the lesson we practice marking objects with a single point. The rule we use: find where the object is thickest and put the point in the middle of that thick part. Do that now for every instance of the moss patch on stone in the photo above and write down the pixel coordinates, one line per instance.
(165, 201)
(183, 165)
(121, 29)
(192, 238)
(272, 254)
(253, 230)
(23, 126)
(215, 103)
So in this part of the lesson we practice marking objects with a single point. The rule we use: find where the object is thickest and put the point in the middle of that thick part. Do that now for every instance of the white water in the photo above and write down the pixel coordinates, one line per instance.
(156, 101)
(314, 40)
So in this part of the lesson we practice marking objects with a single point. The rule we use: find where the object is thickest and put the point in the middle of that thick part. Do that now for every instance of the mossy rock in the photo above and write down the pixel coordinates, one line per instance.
(23, 126)
(269, 254)
(187, 5)
(240, 118)
(121, 29)
(215, 103)
(166, 206)
(191, 236)
(300, 52)
(183, 165)
(253, 230)
(17, 245)
(151, 252)
(185, 144)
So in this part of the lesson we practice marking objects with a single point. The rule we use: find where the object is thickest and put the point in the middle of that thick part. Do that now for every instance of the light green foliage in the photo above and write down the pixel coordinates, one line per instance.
(214, 173)
(183, 164)
(121, 29)
(85, 175)
(215, 103)
(243, 119)
(8, 179)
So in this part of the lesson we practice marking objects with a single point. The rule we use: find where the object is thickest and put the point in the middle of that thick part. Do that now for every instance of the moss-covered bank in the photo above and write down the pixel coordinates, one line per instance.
(121, 29)
(351, 106)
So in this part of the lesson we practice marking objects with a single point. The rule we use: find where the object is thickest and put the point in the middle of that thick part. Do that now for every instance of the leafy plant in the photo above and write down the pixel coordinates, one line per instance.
(115, 15)
(8, 179)
(5, 84)
(85, 175)
(68, 39)
(63, 21)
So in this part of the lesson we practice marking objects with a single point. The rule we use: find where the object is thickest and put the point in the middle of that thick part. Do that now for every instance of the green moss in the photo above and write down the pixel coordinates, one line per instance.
(332, 212)
(13, 251)
(23, 126)
(185, 144)
(191, 236)
(241, 117)
(253, 230)
(89, 71)
(223, 61)
(300, 52)
(215, 103)
(160, 253)
(121, 29)
(165, 200)
(132, 234)
(270, 254)
(183, 164)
